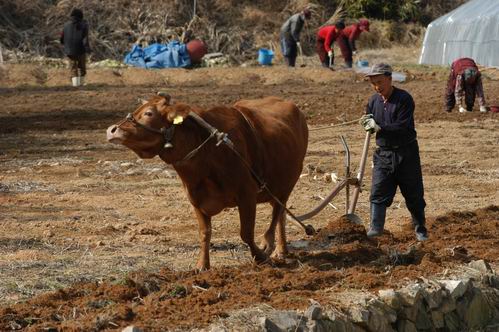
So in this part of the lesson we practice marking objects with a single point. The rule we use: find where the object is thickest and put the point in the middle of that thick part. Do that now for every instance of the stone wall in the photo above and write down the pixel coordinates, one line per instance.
(466, 300)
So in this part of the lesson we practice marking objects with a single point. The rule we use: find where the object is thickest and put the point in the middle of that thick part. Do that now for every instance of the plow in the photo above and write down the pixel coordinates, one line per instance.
(347, 183)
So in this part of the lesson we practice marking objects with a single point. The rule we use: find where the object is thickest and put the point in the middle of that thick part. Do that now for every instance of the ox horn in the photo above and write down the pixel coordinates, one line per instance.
(165, 95)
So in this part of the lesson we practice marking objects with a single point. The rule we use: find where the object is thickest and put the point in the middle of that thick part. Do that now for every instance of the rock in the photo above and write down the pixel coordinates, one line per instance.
(390, 297)
(452, 322)
(131, 328)
(438, 319)
(481, 265)
(411, 294)
(323, 326)
(126, 165)
(434, 296)
(314, 312)
(219, 329)
(423, 320)
(456, 288)
(406, 326)
(359, 315)
(479, 311)
(378, 320)
(283, 321)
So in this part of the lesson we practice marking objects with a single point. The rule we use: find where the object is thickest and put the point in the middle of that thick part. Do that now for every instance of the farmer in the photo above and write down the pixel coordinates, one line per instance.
(346, 41)
(324, 45)
(74, 37)
(390, 114)
(464, 81)
(290, 36)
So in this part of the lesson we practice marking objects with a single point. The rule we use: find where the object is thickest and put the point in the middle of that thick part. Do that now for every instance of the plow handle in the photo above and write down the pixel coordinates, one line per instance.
(363, 159)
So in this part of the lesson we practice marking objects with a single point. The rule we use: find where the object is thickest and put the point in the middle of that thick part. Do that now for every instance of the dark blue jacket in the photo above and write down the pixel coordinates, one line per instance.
(74, 37)
(395, 117)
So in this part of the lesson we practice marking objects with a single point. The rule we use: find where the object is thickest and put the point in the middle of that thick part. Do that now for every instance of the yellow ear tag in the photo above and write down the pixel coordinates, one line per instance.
(178, 120)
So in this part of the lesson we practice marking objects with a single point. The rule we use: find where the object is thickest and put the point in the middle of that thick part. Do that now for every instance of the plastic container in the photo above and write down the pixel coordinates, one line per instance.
(494, 109)
(265, 57)
(196, 49)
(362, 63)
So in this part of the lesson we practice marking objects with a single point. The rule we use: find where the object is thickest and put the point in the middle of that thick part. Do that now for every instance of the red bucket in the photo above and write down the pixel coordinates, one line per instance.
(494, 109)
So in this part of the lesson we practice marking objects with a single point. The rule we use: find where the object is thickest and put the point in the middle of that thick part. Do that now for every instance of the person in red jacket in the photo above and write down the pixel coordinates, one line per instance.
(464, 81)
(346, 41)
(325, 38)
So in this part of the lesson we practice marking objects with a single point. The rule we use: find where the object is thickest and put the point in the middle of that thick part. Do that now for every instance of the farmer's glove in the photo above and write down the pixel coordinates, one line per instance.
(367, 121)
(462, 109)
(330, 54)
(483, 109)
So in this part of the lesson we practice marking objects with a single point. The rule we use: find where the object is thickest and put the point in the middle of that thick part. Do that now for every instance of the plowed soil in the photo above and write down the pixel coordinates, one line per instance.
(92, 238)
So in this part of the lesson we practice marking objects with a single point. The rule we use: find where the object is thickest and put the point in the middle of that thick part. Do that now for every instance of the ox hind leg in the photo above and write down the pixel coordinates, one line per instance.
(278, 222)
(204, 222)
(247, 215)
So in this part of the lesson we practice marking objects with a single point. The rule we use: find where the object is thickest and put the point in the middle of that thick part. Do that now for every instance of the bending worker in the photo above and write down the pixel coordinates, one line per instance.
(346, 41)
(325, 38)
(390, 114)
(290, 36)
(464, 81)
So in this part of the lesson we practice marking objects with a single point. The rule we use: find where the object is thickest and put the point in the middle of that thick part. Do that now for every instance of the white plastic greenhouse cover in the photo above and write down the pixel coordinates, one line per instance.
(471, 30)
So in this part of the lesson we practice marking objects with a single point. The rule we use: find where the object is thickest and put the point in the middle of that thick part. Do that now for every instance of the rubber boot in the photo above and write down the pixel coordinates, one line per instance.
(81, 80)
(378, 214)
(418, 220)
(348, 63)
(75, 80)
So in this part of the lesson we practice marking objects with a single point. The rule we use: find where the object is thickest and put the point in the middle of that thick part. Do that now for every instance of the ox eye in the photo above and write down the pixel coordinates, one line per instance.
(148, 113)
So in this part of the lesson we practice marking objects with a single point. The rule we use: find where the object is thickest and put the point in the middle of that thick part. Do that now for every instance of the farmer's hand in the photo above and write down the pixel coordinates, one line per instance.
(298, 45)
(364, 118)
(369, 124)
(330, 53)
(354, 52)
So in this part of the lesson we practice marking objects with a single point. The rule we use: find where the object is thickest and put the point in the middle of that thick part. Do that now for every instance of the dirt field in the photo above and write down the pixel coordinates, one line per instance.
(91, 238)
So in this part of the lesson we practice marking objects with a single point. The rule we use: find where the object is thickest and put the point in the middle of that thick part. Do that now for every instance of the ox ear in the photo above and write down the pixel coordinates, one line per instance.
(177, 113)
(142, 101)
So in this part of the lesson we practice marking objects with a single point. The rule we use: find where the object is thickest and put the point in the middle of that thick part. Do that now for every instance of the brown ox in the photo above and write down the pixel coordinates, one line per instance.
(269, 139)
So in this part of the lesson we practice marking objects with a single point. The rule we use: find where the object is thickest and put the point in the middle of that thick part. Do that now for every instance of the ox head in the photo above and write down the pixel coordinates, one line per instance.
(149, 129)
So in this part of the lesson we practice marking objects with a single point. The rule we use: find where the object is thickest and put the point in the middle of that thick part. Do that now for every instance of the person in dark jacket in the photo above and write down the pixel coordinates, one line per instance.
(465, 81)
(390, 114)
(290, 36)
(346, 41)
(74, 37)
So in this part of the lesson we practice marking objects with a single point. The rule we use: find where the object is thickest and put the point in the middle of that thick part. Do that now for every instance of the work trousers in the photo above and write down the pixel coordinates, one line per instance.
(398, 167)
(289, 50)
(77, 65)
(346, 50)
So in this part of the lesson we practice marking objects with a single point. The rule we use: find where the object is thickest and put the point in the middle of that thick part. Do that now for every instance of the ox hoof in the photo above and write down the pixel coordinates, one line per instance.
(200, 267)
(262, 259)
(280, 253)
(267, 248)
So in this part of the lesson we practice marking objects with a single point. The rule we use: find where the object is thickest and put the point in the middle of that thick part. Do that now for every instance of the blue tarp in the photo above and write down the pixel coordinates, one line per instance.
(171, 55)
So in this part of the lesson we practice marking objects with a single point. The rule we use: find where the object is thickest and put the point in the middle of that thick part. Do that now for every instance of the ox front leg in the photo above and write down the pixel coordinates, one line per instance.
(204, 222)
(247, 214)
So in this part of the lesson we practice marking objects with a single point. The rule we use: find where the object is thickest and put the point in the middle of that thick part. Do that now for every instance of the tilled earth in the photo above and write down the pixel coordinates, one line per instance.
(92, 238)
